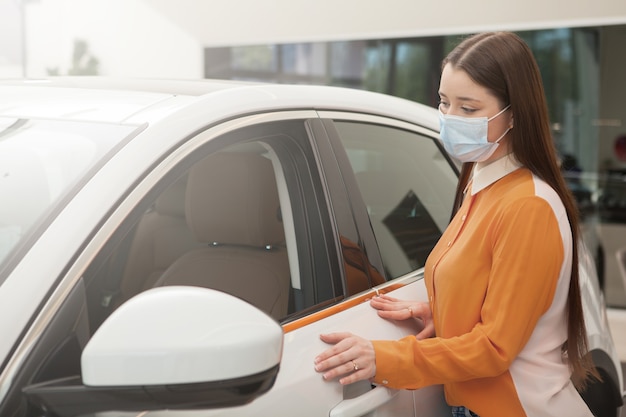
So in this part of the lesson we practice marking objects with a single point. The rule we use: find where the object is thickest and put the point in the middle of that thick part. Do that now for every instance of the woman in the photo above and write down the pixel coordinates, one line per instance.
(503, 280)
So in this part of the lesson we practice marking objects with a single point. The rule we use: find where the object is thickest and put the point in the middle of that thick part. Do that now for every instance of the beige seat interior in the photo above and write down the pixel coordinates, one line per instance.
(161, 237)
(232, 208)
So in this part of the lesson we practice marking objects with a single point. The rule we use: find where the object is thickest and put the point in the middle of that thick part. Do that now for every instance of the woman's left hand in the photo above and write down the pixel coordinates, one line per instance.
(351, 356)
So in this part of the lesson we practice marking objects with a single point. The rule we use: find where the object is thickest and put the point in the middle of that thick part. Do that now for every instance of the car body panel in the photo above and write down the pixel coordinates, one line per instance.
(299, 387)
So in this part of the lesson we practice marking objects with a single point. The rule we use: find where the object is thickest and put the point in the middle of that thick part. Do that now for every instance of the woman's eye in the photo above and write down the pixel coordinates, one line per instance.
(468, 110)
(443, 104)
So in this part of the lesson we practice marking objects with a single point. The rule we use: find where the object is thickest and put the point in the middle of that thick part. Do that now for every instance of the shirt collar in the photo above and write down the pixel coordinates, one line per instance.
(485, 175)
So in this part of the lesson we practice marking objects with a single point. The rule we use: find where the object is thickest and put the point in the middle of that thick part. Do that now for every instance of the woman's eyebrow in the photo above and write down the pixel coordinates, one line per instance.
(468, 99)
(461, 98)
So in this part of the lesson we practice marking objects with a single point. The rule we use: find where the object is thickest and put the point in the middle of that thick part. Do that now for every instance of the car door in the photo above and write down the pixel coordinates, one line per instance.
(383, 237)
(343, 145)
(320, 278)
(401, 185)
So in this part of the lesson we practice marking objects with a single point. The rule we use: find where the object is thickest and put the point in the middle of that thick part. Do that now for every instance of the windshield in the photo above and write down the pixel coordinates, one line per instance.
(42, 162)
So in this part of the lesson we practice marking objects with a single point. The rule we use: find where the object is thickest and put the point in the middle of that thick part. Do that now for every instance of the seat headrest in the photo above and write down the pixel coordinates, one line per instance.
(171, 202)
(232, 199)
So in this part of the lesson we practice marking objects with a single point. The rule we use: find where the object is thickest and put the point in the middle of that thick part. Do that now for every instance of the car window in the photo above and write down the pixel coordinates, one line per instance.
(408, 187)
(238, 219)
(218, 226)
(48, 158)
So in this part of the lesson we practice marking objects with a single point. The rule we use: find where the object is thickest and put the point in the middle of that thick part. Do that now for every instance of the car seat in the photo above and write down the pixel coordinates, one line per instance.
(161, 237)
(232, 208)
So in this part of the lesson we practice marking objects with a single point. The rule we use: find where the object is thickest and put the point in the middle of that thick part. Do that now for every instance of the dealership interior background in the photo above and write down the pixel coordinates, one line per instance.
(394, 47)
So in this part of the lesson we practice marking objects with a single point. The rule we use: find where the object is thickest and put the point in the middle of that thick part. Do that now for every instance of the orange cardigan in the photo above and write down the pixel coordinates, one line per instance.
(497, 281)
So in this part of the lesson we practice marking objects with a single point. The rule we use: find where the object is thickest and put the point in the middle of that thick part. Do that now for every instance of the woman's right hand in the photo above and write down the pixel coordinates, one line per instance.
(394, 309)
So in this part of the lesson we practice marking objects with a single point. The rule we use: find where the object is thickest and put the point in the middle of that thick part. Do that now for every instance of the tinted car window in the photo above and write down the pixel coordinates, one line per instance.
(407, 185)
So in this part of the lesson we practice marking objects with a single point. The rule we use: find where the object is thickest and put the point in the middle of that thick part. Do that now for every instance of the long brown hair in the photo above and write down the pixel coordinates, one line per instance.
(504, 64)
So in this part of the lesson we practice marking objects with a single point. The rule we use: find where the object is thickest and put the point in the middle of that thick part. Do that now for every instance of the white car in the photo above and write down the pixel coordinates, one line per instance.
(176, 248)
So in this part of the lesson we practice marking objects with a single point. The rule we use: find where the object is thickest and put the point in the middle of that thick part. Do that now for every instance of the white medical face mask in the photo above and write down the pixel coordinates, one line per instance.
(465, 138)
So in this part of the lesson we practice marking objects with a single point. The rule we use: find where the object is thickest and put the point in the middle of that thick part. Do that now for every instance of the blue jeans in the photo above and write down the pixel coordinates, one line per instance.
(462, 412)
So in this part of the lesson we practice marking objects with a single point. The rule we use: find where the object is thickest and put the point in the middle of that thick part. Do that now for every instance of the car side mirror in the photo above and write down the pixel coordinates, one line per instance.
(181, 348)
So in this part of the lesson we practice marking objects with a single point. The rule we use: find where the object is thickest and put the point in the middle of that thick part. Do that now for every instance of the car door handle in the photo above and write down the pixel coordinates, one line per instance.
(364, 403)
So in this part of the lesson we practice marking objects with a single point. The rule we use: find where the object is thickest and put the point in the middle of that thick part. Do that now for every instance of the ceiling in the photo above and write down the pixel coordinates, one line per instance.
(241, 22)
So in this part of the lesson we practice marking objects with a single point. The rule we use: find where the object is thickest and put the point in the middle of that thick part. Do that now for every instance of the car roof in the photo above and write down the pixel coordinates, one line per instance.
(137, 101)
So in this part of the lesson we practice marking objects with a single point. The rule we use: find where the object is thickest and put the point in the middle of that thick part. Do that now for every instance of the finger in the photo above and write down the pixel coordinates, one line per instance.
(340, 358)
(356, 376)
(337, 354)
(334, 338)
(343, 369)
(385, 299)
(421, 309)
(358, 358)
(395, 314)
(427, 332)
(422, 312)
(388, 298)
(363, 367)
(337, 364)
(381, 304)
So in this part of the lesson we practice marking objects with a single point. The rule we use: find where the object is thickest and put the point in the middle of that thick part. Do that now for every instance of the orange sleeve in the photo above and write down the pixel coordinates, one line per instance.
(527, 256)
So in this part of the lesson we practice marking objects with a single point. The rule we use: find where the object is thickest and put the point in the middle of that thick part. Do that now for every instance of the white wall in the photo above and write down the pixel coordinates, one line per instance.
(10, 36)
(164, 38)
(237, 22)
(129, 38)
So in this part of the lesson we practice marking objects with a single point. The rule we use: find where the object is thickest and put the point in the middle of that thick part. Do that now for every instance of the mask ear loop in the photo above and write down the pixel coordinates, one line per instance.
(499, 113)
(507, 130)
